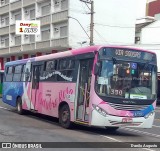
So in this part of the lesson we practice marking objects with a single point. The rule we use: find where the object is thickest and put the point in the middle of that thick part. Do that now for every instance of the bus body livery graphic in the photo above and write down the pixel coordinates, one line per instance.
(109, 86)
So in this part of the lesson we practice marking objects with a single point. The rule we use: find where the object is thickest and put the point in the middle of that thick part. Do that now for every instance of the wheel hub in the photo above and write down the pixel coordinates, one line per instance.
(65, 115)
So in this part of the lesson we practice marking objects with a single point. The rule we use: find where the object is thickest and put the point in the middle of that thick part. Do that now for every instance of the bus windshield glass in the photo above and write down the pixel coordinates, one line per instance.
(126, 79)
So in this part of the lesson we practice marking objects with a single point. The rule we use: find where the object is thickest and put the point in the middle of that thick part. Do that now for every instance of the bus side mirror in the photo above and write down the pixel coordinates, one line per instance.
(96, 68)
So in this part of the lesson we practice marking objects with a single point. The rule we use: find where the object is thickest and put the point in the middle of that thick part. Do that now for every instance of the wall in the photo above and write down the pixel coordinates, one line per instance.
(150, 34)
(153, 7)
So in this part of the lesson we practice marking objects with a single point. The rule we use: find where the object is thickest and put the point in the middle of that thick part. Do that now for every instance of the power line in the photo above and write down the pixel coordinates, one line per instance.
(78, 11)
(113, 26)
(100, 36)
(86, 12)
(122, 26)
(88, 6)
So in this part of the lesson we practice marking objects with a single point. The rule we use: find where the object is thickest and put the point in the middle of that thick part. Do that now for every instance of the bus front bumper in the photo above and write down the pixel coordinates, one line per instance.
(115, 121)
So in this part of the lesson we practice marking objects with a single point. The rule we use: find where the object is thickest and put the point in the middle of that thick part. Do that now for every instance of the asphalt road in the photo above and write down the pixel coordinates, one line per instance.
(37, 128)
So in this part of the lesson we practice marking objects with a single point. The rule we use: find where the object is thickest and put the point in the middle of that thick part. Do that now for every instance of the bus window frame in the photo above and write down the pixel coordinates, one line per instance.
(18, 73)
(6, 73)
(66, 70)
(58, 69)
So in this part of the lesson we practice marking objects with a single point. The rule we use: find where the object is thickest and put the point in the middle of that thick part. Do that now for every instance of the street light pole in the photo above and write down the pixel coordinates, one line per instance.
(91, 2)
(80, 25)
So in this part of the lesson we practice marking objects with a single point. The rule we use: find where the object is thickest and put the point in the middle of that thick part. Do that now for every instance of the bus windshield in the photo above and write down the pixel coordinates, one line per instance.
(126, 79)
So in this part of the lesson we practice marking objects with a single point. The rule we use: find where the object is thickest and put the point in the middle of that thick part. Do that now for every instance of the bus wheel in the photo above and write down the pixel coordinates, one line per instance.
(19, 106)
(64, 116)
(112, 129)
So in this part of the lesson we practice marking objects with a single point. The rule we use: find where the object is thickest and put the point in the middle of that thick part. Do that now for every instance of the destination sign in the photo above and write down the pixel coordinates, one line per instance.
(125, 53)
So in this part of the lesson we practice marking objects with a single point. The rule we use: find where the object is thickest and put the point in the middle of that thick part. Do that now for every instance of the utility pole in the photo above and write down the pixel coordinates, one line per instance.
(91, 2)
(92, 23)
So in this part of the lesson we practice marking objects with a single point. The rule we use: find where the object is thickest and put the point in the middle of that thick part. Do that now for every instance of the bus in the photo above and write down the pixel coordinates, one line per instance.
(106, 86)
(158, 93)
(1, 81)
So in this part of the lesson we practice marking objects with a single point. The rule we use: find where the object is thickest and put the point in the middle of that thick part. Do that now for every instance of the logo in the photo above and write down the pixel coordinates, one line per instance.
(6, 145)
(134, 65)
(128, 102)
(24, 27)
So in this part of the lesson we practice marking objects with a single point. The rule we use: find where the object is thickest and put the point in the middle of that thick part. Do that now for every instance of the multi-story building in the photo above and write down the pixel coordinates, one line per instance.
(59, 32)
(53, 17)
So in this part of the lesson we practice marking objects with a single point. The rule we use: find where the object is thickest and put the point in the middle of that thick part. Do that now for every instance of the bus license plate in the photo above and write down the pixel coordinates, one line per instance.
(127, 120)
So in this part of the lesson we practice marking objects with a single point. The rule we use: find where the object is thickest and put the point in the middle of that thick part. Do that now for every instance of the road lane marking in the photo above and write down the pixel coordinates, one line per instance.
(157, 119)
(5, 108)
(116, 140)
(111, 138)
(148, 149)
(156, 126)
(142, 132)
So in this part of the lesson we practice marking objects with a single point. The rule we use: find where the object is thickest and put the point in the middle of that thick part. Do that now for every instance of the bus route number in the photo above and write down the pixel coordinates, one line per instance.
(116, 92)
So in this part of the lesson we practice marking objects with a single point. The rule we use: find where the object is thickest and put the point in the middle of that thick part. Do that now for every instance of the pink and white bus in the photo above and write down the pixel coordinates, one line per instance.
(109, 86)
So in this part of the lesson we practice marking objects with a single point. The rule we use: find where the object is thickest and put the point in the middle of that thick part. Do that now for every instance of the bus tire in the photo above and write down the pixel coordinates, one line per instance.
(19, 106)
(64, 116)
(112, 129)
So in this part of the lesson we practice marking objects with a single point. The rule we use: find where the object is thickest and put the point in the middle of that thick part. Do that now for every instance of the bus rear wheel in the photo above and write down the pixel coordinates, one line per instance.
(19, 106)
(64, 116)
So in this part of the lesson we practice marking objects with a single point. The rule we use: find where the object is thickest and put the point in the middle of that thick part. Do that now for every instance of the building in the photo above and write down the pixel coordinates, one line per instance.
(53, 17)
(147, 33)
(152, 7)
(140, 25)
(61, 26)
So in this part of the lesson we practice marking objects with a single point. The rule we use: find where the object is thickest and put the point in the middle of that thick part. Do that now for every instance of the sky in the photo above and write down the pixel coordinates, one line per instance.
(141, 8)
(111, 27)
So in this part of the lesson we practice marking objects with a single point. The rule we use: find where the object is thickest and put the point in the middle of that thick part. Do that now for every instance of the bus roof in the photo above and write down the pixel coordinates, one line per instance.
(71, 53)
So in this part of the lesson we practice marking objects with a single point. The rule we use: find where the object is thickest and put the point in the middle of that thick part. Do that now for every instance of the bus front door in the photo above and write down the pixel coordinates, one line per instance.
(85, 74)
(35, 85)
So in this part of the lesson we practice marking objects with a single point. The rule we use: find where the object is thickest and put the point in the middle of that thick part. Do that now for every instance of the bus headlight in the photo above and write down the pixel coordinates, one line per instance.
(149, 114)
(99, 110)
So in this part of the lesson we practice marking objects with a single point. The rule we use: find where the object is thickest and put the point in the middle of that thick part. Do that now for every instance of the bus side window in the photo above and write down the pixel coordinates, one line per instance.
(50, 65)
(17, 73)
(49, 69)
(27, 72)
(62, 64)
(66, 68)
(23, 73)
(9, 74)
(70, 67)
(27, 75)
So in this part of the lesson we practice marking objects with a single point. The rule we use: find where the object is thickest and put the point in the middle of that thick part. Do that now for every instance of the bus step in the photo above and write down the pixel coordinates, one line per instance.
(34, 111)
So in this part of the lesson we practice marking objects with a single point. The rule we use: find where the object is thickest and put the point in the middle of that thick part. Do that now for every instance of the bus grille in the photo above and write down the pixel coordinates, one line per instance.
(128, 107)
